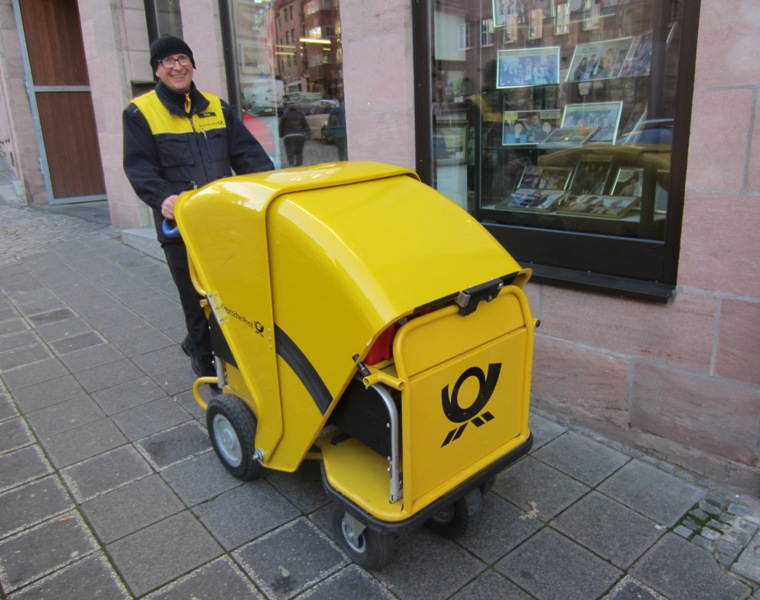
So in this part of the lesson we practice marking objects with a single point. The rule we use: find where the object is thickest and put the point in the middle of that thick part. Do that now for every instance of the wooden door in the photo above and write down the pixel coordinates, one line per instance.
(60, 89)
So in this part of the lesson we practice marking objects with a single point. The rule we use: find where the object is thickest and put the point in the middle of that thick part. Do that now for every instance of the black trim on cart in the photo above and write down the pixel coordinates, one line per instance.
(452, 298)
(219, 342)
(302, 367)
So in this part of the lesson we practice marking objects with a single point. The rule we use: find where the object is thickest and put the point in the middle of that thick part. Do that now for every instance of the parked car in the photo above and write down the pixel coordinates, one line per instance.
(260, 131)
(316, 116)
(653, 131)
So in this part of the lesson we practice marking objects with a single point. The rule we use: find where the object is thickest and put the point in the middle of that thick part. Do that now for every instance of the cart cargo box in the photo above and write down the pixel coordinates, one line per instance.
(361, 318)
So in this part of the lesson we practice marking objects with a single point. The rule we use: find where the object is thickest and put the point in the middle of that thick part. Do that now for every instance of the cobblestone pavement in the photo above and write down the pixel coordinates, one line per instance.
(24, 230)
(109, 487)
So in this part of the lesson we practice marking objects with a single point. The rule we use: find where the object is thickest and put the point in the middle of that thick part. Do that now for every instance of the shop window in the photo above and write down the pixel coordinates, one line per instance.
(256, 88)
(565, 132)
(272, 66)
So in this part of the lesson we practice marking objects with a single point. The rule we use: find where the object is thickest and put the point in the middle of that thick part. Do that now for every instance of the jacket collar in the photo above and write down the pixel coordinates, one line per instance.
(175, 102)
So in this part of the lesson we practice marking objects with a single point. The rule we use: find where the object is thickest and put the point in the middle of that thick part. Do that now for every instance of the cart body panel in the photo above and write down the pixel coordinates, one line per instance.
(223, 226)
(466, 399)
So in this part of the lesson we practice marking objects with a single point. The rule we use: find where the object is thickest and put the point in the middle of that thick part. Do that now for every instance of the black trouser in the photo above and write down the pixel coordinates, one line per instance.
(294, 144)
(198, 337)
(342, 144)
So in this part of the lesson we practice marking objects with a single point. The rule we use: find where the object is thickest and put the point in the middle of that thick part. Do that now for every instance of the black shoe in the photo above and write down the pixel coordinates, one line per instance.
(202, 369)
(185, 345)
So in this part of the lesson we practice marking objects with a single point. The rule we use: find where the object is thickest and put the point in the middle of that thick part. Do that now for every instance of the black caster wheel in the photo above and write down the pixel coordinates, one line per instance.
(454, 520)
(365, 547)
(232, 430)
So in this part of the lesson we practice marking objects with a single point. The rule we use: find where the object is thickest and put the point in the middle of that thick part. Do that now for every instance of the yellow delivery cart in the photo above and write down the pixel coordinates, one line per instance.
(361, 318)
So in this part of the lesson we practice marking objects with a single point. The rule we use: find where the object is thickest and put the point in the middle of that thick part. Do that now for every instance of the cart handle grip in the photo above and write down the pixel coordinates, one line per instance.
(170, 228)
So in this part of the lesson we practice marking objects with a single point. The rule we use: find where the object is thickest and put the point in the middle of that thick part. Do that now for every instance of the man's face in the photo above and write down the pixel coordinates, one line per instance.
(177, 77)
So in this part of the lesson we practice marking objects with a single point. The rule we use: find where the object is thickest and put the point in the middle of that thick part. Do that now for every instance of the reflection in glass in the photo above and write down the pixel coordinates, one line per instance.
(290, 51)
(587, 88)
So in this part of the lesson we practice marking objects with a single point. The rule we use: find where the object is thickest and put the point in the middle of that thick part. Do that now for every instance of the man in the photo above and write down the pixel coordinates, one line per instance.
(177, 138)
(336, 121)
(294, 131)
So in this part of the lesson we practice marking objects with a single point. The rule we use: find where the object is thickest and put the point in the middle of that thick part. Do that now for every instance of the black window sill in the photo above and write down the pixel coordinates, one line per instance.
(661, 293)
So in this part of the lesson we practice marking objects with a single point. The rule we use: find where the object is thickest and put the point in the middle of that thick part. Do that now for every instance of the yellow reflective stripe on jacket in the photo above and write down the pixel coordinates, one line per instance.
(161, 120)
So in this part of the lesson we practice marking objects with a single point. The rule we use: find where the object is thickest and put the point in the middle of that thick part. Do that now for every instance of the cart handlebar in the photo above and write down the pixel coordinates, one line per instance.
(170, 228)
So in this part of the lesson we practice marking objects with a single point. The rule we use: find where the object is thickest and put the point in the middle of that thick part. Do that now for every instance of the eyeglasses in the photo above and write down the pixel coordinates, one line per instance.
(170, 61)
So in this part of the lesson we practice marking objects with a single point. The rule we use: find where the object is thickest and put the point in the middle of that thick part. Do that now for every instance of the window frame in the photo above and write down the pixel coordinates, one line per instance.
(156, 24)
(486, 33)
(631, 267)
(464, 37)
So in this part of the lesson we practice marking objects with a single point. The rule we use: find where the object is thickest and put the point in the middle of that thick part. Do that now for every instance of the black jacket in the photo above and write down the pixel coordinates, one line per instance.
(169, 151)
(293, 122)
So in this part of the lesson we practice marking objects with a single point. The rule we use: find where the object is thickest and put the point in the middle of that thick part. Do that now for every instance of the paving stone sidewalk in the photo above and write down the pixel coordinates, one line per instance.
(109, 487)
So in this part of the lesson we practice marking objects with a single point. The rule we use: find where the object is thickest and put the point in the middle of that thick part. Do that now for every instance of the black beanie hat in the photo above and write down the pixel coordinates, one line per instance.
(166, 45)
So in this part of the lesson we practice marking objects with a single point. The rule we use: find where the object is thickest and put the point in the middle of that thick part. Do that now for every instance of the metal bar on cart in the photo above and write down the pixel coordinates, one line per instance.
(396, 490)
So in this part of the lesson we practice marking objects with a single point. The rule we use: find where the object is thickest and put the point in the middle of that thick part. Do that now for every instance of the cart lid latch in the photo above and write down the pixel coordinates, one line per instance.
(468, 299)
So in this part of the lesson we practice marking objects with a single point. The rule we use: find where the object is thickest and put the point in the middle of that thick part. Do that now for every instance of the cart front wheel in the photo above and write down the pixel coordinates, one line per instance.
(454, 520)
(365, 547)
(232, 430)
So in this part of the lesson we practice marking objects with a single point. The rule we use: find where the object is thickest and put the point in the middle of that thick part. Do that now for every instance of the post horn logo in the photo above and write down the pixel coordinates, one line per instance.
(471, 414)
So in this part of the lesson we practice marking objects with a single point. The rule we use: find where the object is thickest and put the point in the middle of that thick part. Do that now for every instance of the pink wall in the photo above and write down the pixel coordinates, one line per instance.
(379, 80)
(111, 88)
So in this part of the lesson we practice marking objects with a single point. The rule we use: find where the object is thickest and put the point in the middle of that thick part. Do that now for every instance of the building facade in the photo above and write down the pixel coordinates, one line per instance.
(649, 307)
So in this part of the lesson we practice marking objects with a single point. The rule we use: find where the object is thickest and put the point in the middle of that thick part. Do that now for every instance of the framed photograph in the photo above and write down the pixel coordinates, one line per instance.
(450, 144)
(590, 176)
(562, 19)
(661, 192)
(628, 182)
(503, 10)
(568, 137)
(500, 8)
(592, 205)
(605, 116)
(526, 67)
(534, 126)
(637, 115)
(591, 15)
(533, 201)
(599, 60)
(638, 60)
(536, 178)
(510, 29)
(536, 26)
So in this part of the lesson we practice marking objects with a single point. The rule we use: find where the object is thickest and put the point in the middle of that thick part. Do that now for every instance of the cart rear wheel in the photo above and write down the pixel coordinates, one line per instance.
(232, 430)
(454, 520)
(365, 547)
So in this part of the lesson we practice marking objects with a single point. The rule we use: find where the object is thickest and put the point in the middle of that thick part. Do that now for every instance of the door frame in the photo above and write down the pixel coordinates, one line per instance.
(32, 91)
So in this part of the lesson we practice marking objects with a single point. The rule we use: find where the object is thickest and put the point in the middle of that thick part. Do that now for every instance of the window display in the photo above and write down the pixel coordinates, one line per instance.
(569, 114)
